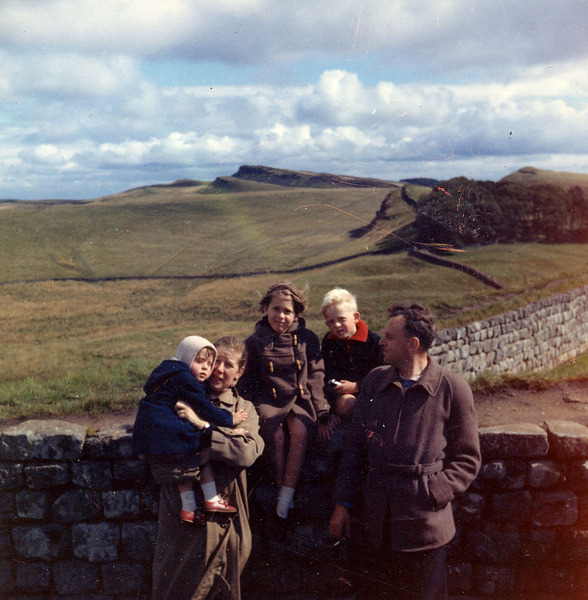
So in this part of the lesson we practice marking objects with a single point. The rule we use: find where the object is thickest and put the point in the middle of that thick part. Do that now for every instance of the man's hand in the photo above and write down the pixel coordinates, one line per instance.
(340, 523)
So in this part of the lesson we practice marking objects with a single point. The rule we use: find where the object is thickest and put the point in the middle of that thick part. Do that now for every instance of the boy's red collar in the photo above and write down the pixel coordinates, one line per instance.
(361, 335)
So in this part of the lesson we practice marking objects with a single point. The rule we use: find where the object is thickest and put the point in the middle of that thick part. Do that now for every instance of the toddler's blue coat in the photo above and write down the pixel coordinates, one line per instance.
(157, 429)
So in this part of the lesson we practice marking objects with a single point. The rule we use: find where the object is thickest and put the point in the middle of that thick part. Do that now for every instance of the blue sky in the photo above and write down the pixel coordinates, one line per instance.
(99, 97)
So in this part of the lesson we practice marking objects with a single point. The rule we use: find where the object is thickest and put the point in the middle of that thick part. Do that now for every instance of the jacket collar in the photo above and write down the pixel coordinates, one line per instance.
(430, 378)
(361, 335)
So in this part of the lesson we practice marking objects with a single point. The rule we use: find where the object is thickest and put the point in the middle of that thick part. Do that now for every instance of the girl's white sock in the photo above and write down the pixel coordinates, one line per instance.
(188, 500)
(285, 501)
(209, 491)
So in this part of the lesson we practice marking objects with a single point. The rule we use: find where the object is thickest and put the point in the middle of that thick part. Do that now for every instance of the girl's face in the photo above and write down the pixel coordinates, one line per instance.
(202, 364)
(226, 370)
(280, 314)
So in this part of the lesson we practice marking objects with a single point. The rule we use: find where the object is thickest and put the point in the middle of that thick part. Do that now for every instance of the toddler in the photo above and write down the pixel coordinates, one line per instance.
(168, 440)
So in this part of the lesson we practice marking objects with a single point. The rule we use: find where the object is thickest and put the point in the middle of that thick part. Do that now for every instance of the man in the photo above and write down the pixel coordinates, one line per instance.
(414, 437)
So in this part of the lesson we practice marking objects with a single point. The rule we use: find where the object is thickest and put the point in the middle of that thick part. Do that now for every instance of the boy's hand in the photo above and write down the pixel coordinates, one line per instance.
(239, 417)
(324, 430)
(186, 412)
(346, 387)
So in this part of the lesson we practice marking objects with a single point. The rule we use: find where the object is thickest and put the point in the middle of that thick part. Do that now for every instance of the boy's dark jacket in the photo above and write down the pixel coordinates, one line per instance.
(158, 429)
(354, 365)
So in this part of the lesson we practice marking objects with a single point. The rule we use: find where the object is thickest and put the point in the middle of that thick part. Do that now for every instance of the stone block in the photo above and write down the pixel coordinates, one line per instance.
(520, 440)
(567, 439)
(542, 545)
(495, 543)
(138, 540)
(582, 521)
(6, 579)
(92, 474)
(75, 577)
(46, 542)
(131, 471)
(96, 542)
(122, 504)
(574, 544)
(469, 508)
(41, 476)
(32, 504)
(553, 581)
(111, 444)
(73, 506)
(511, 506)
(33, 577)
(11, 476)
(7, 506)
(554, 509)
(495, 581)
(544, 474)
(123, 578)
(150, 500)
(44, 440)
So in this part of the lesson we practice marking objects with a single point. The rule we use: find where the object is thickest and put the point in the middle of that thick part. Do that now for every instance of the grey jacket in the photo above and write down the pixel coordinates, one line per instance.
(414, 450)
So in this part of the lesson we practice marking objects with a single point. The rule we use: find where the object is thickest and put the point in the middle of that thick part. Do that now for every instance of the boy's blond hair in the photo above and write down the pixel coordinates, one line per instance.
(340, 298)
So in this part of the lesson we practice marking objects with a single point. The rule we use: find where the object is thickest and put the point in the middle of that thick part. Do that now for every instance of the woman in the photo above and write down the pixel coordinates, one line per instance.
(193, 563)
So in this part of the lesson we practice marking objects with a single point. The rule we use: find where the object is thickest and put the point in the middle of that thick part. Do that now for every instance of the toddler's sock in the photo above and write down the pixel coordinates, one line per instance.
(188, 501)
(285, 501)
(209, 491)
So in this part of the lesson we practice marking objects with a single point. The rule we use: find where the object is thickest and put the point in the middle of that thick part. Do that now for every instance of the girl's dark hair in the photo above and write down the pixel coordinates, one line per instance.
(230, 342)
(419, 322)
(286, 290)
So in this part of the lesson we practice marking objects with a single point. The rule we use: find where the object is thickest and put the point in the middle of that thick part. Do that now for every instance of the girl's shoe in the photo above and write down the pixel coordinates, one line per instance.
(218, 506)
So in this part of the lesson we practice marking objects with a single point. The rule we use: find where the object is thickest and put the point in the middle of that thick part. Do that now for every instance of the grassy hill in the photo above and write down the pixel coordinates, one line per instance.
(94, 294)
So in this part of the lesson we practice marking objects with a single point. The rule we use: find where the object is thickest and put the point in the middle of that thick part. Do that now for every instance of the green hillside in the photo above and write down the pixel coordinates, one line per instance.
(95, 293)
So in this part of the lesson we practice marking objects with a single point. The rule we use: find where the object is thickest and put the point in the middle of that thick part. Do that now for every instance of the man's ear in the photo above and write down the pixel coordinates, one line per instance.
(413, 345)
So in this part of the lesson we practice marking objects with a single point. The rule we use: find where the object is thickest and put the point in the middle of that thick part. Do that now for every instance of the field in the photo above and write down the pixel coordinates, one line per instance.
(95, 294)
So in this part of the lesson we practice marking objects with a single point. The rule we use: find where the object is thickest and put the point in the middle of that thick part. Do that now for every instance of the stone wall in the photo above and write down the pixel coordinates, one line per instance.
(79, 520)
(541, 335)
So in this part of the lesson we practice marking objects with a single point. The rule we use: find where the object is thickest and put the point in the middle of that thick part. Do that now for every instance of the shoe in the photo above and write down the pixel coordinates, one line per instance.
(195, 517)
(218, 506)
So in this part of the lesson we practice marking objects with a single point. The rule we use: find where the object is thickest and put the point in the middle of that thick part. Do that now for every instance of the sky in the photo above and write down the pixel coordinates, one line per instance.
(102, 96)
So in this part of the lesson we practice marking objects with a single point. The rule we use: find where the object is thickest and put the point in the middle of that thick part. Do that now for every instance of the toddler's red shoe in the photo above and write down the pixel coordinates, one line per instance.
(218, 506)
(190, 516)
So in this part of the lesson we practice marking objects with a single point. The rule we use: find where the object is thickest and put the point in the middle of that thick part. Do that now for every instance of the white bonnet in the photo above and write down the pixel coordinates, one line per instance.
(189, 348)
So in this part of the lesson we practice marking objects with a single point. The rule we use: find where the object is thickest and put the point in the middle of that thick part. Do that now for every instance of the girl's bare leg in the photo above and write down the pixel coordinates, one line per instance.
(278, 455)
(296, 451)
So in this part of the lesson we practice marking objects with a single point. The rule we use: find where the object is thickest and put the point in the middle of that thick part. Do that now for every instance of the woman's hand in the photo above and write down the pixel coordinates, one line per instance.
(239, 431)
(187, 412)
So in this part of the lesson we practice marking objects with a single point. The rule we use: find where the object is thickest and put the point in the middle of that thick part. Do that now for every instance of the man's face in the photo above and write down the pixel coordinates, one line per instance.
(395, 342)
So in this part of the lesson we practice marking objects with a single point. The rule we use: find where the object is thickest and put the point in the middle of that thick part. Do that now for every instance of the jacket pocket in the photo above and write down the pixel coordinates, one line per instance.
(440, 492)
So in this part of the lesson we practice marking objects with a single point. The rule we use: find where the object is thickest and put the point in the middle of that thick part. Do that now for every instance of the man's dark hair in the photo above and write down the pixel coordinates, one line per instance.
(419, 322)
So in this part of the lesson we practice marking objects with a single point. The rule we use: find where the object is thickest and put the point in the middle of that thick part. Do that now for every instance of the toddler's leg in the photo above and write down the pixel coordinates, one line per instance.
(212, 501)
(188, 502)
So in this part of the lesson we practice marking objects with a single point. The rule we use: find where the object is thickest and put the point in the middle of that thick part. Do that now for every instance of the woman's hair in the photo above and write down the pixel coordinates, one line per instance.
(289, 291)
(230, 342)
(340, 298)
(419, 322)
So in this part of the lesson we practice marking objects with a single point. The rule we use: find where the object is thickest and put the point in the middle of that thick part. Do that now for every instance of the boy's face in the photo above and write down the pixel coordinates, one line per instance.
(280, 314)
(202, 364)
(341, 321)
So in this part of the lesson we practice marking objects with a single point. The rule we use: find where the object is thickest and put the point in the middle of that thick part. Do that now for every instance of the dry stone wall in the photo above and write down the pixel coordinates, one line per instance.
(79, 520)
(541, 335)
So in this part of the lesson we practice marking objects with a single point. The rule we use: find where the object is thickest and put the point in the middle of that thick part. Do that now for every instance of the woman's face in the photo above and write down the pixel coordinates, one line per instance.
(226, 371)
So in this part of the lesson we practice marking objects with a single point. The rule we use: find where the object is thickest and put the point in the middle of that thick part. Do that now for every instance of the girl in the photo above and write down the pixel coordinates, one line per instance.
(284, 379)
